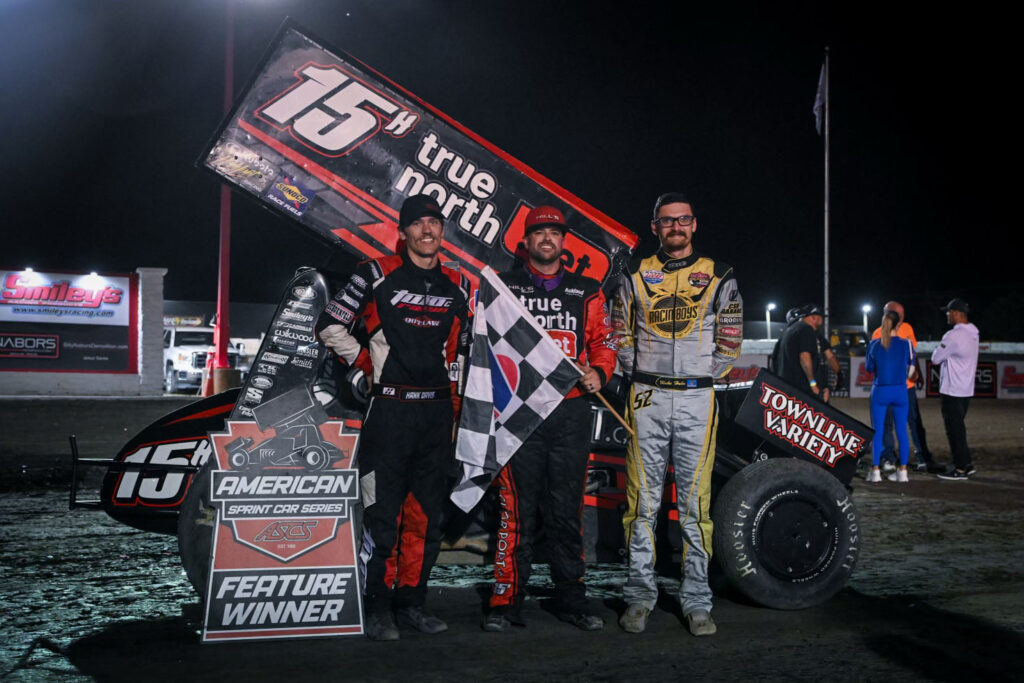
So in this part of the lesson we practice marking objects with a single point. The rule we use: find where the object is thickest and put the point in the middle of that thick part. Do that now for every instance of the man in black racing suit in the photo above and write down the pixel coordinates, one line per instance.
(415, 311)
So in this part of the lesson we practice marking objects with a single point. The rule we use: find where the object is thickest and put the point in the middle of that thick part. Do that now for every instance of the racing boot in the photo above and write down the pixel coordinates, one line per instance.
(634, 619)
(421, 620)
(380, 625)
(497, 621)
(503, 617)
(700, 623)
(583, 620)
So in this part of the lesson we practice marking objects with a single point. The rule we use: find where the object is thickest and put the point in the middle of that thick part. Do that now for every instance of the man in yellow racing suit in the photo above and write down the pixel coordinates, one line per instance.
(678, 324)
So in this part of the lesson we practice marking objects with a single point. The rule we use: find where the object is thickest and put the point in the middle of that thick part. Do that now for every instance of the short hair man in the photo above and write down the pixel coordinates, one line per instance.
(915, 424)
(548, 472)
(415, 311)
(827, 360)
(957, 358)
(678, 324)
(799, 354)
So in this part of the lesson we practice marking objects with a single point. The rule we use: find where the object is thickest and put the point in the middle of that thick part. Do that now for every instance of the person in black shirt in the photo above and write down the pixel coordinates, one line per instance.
(798, 351)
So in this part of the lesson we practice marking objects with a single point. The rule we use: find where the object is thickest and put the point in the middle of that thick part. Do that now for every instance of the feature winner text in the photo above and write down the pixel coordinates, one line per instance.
(291, 598)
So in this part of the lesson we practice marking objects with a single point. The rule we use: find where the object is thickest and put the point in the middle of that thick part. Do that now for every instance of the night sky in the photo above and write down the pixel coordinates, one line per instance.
(107, 105)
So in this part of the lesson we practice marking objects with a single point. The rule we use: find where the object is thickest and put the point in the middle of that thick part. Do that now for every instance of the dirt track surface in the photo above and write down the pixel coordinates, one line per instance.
(938, 594)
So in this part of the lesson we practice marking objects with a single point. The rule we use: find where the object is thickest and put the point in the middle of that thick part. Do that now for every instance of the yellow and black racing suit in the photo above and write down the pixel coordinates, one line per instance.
(678, 325)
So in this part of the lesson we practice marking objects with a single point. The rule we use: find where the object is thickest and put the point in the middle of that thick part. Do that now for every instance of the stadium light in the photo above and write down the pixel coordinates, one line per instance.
(768, 320)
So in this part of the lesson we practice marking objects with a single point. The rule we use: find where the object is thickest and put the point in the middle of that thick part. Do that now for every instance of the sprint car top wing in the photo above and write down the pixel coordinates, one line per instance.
(336, 147)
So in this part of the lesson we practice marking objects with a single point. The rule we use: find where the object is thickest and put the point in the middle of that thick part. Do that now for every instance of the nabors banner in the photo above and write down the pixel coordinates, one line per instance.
(337, 147)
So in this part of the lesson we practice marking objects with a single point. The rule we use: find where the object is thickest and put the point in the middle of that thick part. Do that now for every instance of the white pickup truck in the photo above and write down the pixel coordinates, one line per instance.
(185, 351)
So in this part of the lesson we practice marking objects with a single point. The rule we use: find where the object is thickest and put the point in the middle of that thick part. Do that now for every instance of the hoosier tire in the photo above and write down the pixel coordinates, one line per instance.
(196, 519)
(786, 533)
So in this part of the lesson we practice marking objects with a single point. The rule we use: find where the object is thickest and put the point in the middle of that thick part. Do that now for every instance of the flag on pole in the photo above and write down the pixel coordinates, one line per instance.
(517, 376)
(819, 100)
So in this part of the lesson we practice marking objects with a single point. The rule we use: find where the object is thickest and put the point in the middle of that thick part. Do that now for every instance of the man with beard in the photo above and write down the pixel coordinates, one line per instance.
(415, 311)
(548, 472)
(678, 324)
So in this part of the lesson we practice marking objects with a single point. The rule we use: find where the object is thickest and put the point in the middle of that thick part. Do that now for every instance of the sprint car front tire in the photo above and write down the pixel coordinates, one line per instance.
(196, 519)
(787, 534)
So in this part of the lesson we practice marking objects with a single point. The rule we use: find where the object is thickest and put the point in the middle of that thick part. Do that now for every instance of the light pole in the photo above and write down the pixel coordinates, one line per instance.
(866, 308)
(768, 321)
(222, 330)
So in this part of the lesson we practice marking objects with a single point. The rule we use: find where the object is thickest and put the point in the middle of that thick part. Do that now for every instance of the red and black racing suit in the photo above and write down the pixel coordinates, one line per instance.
(548, 472)
(416, 323)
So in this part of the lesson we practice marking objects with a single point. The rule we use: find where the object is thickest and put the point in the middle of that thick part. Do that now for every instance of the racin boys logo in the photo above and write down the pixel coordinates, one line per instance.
(672, 316)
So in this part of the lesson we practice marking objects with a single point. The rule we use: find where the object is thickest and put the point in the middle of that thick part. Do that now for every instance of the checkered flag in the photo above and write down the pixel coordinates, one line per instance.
(517, 377)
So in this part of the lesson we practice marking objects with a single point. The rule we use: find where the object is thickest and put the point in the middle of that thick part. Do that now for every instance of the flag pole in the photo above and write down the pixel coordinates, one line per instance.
(828, 309)
(617, 416)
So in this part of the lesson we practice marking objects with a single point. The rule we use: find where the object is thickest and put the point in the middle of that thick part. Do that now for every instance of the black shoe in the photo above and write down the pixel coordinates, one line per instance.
(934, 467)
(381, 626)
(954, 475)
(921, 467)
(421, 620)
(970, 470)
(496, 621)
(583, 620)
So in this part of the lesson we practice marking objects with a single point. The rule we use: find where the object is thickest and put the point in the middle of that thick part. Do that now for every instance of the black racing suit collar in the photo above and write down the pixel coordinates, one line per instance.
(669, 264)
(433, 272)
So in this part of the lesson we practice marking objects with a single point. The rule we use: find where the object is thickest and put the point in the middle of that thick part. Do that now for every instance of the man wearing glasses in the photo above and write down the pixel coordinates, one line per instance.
(678, 324)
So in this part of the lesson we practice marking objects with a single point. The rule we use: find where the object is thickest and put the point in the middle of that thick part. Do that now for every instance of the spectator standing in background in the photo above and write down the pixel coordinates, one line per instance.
(957, 358)
(918, 436)
(890, 358)
(798, 355)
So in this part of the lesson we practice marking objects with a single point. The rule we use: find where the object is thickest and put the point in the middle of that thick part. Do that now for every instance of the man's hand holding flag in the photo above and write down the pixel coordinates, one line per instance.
(517, 376)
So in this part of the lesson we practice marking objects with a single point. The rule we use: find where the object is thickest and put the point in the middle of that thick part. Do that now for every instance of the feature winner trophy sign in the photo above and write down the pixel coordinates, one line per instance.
(284, 489)
(331, 144)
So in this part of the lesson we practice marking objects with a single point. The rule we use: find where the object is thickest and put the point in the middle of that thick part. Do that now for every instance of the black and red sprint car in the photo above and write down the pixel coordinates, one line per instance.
(786, 528)
(333, 147)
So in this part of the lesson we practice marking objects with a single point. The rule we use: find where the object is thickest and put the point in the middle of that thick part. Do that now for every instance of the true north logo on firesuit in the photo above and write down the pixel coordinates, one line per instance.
(672, 316)
(560, 323)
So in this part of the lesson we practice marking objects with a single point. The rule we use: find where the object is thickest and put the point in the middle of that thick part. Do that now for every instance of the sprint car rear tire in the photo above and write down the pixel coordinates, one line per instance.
(787, 534)
(196, 519)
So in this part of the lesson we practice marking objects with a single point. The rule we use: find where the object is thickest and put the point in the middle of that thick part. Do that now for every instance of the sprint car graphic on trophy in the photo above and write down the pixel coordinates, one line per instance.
(295, 418)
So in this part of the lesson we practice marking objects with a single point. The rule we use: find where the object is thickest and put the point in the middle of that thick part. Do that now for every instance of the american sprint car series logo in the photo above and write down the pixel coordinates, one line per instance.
(284, 495)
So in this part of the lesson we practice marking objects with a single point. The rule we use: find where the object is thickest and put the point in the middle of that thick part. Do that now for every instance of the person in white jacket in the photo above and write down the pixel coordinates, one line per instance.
(957, 358)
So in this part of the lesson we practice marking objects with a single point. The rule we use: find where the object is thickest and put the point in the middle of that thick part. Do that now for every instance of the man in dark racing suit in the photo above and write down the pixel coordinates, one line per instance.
(415, 311)
(548, 472)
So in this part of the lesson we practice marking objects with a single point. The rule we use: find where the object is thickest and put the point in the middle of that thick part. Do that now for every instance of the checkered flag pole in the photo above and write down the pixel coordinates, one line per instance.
(517, 376)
